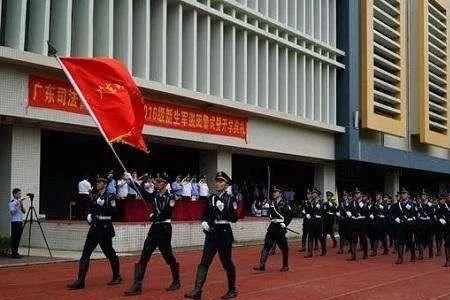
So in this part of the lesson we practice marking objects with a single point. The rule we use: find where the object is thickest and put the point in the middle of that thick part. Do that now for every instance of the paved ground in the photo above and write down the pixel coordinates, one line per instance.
(329, 277)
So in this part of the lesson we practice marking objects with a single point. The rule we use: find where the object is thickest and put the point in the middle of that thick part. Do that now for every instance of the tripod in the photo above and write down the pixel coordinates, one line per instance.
(31, 213)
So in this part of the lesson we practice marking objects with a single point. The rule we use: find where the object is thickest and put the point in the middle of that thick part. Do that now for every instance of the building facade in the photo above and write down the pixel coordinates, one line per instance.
(274, 63)
(396, 86)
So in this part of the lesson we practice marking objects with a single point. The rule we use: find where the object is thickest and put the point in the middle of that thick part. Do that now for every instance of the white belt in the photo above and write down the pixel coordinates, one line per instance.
(425, 218)
(330, 213)
(222, 222)
(318, 216)
(410, 219)
(361, 217)
(277, 220)
(165, 221)
(104, 217)
(380, 216)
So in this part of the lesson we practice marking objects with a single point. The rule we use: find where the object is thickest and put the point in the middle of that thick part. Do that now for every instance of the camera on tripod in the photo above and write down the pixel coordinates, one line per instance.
(31, 195)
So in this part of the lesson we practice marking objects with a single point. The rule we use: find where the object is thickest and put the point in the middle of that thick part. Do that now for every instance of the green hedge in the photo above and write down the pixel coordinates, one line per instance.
(5, 244)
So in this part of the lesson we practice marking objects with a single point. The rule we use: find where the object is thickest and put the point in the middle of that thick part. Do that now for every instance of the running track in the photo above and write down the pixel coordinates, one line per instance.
(329, 277)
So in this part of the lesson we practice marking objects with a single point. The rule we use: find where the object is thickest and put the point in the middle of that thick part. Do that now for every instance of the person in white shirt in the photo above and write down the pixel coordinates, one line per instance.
(187, 188)
(84, 190)
(122, 188)
(204, 189)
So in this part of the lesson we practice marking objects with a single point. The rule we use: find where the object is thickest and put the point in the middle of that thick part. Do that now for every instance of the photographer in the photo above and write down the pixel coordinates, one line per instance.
(16, 211)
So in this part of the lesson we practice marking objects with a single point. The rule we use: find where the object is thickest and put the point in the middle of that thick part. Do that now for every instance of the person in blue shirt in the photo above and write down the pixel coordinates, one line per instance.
(16, 211)
(111, 189)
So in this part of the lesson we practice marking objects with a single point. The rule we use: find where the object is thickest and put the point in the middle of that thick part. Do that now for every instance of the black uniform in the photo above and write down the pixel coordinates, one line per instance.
(102, 207)
(381, 222)
(159, 236)
(219, 213)
(306, 205)
(329, 216)
(316, 213)
(359, 214)
(438, 228)
(344, 223)
(280, 216)
(424, 228)
(404, 215)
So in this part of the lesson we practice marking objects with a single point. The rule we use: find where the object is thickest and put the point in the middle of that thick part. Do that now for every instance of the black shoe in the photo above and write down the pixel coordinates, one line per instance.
(230, 294)
(373, 253)
(309, 255)
(116, 280)
(340, 251)
(301, 250)
(176, 285)
(16, 255)
(259, 267)
(132, 291)
(284, 269)
(194, 294)
(76, 285)
(399, 261)
(351, 258)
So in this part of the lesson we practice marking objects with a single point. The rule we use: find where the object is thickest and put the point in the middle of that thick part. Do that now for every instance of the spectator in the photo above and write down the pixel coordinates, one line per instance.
(187, 188)
(84, 189)
(16, 211)
(122, 188)
(203, 188)
(111, 189)
(195, 189)
(256, 208)
(177, 188)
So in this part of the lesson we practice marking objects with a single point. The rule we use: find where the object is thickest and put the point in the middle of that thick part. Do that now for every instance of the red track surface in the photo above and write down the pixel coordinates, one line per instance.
(329, 277)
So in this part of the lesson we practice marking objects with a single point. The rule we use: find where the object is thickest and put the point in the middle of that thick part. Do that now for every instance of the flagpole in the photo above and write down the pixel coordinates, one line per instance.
(88, 107)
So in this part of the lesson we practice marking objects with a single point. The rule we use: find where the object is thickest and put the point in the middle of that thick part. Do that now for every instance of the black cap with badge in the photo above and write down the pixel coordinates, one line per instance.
(222, 176)
(163, 176)
(102, 179)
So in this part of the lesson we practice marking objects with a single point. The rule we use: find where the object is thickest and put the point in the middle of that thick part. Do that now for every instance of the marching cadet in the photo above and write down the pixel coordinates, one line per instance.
(280, 216)
(389, 223)
(159, 235)
(343, 221)
(330, 209)
(380, 211)
(438, 228)
(424, 232)
(444, 219)
(404, 215)
(306, 205)
(219, 213)
(315, 213)
(101, 231)
(359, 214)
(370, 223)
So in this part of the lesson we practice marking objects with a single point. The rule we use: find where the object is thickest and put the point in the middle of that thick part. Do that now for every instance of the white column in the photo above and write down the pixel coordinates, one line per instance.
(212, 161)
(15, 23)
(83, 28)
(104, 28)
(38, 28)
(61, 26)
(141, 38)
(175, 41)
(5, 177)
(324, 177)
(158, 43)
(392, 182)
(123, 32)
(190, 49)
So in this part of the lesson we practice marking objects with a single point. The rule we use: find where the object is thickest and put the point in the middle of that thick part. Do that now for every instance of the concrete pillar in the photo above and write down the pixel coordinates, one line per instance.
(212, 161)
(20, 162)
(392, 182)
(324, 177)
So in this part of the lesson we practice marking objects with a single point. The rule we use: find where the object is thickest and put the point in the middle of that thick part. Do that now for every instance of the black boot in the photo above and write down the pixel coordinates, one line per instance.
(399, 250)
(175, 285)
(262, 261)
(352, 252)
(231, 276)
(430, 250)
(420, 257)
(136, 288)
(447, 257)
(196, 293)
(115, 266)
(438, 247)
(82, 270)
(309, 250)
(412, 249)
(323, 244)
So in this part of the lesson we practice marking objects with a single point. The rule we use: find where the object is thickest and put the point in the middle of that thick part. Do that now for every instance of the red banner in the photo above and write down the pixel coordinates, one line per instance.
(59, 95)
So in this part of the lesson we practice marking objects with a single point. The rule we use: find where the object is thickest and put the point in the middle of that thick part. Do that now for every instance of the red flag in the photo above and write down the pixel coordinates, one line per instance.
(113, 99)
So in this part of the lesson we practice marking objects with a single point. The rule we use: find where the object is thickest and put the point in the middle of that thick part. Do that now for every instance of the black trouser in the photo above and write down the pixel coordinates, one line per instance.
(305, 232)
(82, 203)
(344, 232)
(100, 233)
(328, 228)
(218, 239)
(438, 232)
(275, 234)
(379, 234)
(159, 236)
(359, 231)
(316, 233)
(405, 237)
(424, 236)
(16, 234)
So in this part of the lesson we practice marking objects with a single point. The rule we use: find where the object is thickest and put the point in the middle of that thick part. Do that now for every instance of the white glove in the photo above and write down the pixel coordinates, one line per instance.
(308, 216)
(349, 214)
(205, 226)
(361, 204)
(397, 220)
(443, 222)
(283, 225)
(303, 212)
(128, 176)
(338, 214)
(408, 206)
(220, 205)
(151, 215)
(371, 217)
(100, 201)
(89, 218)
